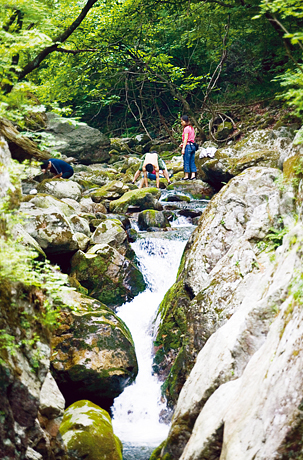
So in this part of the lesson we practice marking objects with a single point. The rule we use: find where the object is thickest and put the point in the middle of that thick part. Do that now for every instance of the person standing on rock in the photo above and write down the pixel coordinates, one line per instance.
(58, 167)
(188, 149)
(151, 163)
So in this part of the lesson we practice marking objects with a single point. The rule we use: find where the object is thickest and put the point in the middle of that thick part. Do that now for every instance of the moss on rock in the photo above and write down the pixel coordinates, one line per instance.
(145, 198)
(88, 433)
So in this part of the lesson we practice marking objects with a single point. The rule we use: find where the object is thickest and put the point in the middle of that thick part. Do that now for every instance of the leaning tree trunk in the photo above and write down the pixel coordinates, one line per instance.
(21, 147)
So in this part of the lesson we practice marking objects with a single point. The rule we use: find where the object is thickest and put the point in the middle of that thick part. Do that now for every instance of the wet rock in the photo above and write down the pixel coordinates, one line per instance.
(93, 352)
(146, 198)
(86, 144)
(152, 219)
(196, 188)
(177, 198)
(108, 275)
(88, 433)
(60, 188)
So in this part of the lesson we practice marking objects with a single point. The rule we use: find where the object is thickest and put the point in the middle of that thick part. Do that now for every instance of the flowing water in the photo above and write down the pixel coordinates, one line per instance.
(136, 412)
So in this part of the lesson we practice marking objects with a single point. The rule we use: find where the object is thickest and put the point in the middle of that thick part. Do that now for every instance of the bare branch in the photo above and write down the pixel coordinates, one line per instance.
(64, 50)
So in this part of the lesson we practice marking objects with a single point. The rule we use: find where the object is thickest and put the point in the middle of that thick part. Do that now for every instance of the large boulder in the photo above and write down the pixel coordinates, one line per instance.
(53, 224)
(219, 263)
(152, 219)
(86, 144)
(111, 191)
(60, 188)
(93, 352)
(111, 232)
(107, 274)
(260, 148)
(258, 413)
(145, 198)
(88, 433)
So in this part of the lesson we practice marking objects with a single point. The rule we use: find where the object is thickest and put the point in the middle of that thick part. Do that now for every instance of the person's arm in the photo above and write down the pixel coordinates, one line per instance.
(157, 178)
(137, 174)
(184, 142)
(58, 175)
(145, 177)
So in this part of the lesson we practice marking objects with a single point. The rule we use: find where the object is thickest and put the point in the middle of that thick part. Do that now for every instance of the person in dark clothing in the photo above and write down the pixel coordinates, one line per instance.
(58, 167)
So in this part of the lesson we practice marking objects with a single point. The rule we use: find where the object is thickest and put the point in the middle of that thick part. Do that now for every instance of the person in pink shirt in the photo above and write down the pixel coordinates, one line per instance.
(188, 149)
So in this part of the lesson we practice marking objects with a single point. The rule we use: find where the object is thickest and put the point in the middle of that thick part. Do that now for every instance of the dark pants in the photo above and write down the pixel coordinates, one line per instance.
(67, 174)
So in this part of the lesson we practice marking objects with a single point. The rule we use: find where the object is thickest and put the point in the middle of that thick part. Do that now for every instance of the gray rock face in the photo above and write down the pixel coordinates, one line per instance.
(53, 224)
(243, 397)
(261, 148)
(61, 188)
(221, 280)
(86, 144)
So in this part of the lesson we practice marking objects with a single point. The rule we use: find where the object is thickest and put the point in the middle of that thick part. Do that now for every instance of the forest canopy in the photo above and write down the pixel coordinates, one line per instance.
(121, 65)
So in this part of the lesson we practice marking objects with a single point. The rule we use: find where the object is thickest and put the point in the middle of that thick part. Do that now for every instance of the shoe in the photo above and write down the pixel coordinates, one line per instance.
(169, 183)
(193, 178)
(185, 178)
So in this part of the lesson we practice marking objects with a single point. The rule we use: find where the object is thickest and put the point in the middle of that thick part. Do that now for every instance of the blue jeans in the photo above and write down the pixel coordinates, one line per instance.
(189, 159)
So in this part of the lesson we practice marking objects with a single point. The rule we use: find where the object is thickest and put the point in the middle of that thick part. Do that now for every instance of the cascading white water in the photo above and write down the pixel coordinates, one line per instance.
(136, 411)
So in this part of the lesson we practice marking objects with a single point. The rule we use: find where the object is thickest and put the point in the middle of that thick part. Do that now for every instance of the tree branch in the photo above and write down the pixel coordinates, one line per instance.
(64, 50)
(32, 65)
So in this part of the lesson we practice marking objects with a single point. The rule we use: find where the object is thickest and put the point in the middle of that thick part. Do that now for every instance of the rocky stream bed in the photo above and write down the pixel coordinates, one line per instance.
(227, 343)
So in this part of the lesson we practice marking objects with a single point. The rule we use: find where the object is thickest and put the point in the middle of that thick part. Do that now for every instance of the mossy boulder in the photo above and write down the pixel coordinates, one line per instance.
(108, 275)
(151, 218)
(145, 198)
(88, 433)
(94, 177)
(93, 351)
(111, 191)
(223, 130)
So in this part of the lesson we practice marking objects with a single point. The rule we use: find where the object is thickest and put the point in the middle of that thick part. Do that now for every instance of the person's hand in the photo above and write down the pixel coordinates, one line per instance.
(183, 151)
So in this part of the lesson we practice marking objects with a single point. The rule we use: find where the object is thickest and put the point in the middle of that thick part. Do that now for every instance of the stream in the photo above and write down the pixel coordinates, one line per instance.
(137, 411)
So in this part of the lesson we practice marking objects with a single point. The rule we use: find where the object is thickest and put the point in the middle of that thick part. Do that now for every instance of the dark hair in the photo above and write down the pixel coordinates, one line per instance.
(44, 164)
(186, 119)
(149, 168)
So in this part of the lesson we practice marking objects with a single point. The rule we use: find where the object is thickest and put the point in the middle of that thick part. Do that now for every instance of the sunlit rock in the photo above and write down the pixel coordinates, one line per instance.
(60, 188)
(145, 198)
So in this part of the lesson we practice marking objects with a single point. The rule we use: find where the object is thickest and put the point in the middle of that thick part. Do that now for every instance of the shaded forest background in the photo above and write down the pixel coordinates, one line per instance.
(135, 65)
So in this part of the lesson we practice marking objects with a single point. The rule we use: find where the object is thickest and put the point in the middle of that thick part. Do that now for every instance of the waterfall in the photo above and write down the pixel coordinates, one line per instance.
(136, 411)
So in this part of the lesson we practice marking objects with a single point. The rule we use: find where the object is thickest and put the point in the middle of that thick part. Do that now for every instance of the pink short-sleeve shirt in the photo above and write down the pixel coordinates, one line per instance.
(191, 133)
